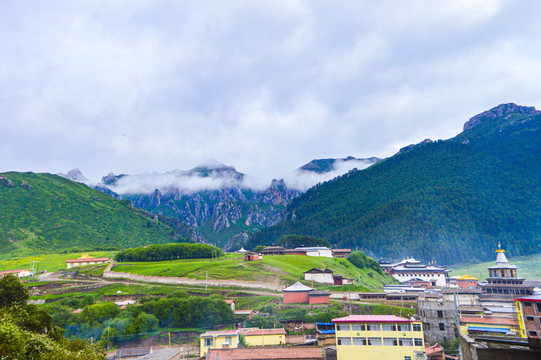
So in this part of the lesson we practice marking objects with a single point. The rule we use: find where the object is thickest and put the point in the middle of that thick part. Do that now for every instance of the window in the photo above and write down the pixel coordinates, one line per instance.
(344, 341)
(529, 318)
(442, 326)
(404, 327)
(406, 342)
(357, 327)
(407, 357)
(342, 327)
(416, 327)
(359, 341)
(209, 342)
(426, 326)
(418, 342)
(390, 342)
(373, 327)
(538, 307)
(227, 341)
(374, 341)
(388, 327)
(440, 313)
(533, 333)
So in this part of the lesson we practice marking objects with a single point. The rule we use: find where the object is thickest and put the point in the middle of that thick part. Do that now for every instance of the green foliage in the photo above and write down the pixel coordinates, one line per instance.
(41, 212)
(293, 241)
(258, 248)
(450, 201)
(169, 252)
(360, 260)
(27, 332)
(12, 291)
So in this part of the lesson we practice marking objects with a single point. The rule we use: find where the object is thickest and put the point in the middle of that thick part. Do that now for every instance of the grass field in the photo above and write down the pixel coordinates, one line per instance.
(528, 267)
(49, 262)
(286, 269)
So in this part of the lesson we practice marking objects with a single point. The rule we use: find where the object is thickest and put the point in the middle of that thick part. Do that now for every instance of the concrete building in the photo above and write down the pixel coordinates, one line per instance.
(218, 340)
(341, 253)
(378, 337)
(86, 260)
(318, 251)
(264, 337)
(467, 282)
(409, 269)
(322, 276)
(529, 316)
(20, 273)
(299, 293)
(289, 353)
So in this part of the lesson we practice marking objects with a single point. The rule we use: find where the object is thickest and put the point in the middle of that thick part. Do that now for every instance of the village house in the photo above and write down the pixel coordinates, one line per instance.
(264, 337)
(231, 303)
(299, 293)
(218, 340)
(20, 273)
(409, 269)
(341, 253)
(86, 260)
(378, 337)
(529, 316)
(467, 282)
(322, 276)
(284, 353)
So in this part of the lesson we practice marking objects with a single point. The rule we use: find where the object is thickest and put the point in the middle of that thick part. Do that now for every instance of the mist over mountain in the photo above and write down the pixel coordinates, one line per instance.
(451, 200)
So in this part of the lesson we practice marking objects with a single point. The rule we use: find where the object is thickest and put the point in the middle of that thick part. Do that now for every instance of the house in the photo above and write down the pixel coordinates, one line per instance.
(273, 250)
(319, 251)
(529, 316)
(325, 334)
(86, 260)
(20, 273)
(283, 353)
(378, 337)
(264, 337)
(341, 253)
(248, 313)
(231, 303)
(340, 280)
(467, 282)
(299, 293)
(252, 256)
(162, 354)
(416, 282)
(218, 340)
(322, 276)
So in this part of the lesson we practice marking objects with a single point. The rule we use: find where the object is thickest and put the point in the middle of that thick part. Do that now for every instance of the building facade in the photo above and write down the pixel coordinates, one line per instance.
(85, 260)
(409, 269)
(264, 337)
(378, 337)
(218, 340)
(322, 276)
(529, 316)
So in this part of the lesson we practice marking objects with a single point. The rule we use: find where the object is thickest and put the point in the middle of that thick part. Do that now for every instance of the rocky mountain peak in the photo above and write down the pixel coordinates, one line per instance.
(216, 169)
(75, 175)
(498, 112)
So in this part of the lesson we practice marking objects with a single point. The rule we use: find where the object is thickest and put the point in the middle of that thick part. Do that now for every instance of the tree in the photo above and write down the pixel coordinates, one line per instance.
(12, 291)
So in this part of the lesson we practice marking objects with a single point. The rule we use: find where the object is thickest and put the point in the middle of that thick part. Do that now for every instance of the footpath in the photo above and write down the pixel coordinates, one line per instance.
(108, 274)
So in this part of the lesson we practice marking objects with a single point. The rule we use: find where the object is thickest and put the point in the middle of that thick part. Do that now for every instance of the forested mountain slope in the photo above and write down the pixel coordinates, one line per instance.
(447, 200)
(44, 212)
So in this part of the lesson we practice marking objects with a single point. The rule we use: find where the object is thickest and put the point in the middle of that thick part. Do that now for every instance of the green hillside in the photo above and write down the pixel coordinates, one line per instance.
(451, 200)
(285, 269)
(47, 213)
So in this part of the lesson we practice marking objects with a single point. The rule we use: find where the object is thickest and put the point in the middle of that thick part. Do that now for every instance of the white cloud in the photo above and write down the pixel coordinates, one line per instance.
(137, 86)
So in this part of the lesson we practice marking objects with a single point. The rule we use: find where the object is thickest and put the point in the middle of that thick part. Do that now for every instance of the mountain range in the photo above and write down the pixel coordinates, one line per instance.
(221, 205)
(448, 201)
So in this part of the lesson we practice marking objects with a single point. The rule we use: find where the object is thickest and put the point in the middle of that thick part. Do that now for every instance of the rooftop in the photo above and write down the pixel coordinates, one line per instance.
(532, 298)
(5, 272)
(256, 331)
(298, 286)
(220, 333)
(86, 259)
(267, 353)
(467, 277)
(371, 319)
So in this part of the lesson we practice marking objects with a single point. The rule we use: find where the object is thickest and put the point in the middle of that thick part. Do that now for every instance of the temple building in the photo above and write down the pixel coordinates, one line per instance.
(409, 269)
(503, 279)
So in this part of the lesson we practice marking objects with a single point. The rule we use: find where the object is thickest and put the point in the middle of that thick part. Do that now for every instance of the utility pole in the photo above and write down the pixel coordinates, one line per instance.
(457, 325)
(206, 280)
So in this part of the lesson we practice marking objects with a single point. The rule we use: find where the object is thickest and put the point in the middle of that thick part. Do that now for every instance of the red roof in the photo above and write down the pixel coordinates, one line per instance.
(275, 353)
(371, 319)
(5, 272)
(533, 298)
(255, 331)
(229, 301)
(86, 260)
(220, 333)
(488, 320)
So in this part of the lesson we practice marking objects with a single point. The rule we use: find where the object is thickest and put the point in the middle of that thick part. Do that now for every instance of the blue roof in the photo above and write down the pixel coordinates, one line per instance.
(327, 331)
(488, 329)
(330, 324)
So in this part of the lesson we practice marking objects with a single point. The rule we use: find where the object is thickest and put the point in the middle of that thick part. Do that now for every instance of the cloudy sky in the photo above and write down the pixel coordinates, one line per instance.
(266, 86)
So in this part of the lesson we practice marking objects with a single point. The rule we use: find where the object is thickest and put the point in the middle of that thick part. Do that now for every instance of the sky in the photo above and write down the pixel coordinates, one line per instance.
(265, 86)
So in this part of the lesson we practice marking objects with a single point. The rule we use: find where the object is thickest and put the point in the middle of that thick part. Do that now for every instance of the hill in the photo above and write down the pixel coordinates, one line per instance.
(48, 213)
(451, 200)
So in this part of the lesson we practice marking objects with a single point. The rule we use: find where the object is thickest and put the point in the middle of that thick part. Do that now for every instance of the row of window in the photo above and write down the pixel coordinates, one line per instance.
(378, 327)
(418, 275)
(377, 341)
(527, 303)
(507, 291)
(441, 326)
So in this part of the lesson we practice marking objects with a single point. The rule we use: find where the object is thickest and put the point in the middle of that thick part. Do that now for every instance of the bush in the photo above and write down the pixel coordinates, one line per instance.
(169, 252)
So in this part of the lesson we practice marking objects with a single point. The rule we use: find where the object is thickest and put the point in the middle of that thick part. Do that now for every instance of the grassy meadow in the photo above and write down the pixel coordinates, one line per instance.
(286, 269)
(49, 262)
